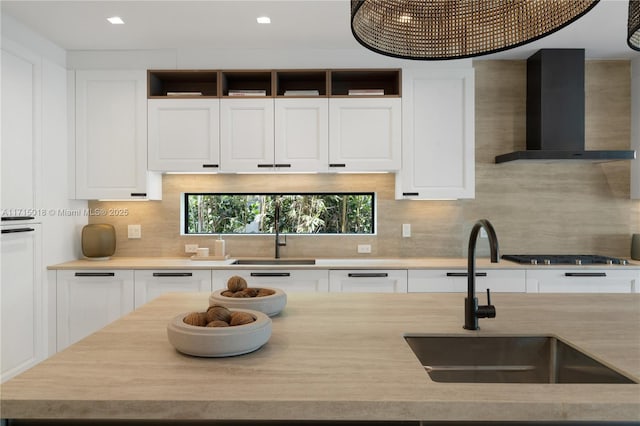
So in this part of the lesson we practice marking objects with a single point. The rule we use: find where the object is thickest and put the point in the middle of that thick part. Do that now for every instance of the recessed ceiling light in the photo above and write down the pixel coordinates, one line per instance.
(115, 20)
(263, 20)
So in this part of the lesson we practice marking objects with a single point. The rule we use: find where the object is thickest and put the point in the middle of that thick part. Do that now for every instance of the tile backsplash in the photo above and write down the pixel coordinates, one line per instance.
(552, 208)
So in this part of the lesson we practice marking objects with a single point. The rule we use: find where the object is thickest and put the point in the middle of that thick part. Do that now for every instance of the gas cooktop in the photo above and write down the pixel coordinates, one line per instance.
(564, 259)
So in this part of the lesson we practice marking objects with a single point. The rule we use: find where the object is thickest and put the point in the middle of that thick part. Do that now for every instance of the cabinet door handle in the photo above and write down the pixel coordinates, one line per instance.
(138, 194)
(410, 194)
(585, 274)
(16, 230)
(465, 274)
(270, 274)
(368, 275)
(172, 274)
(210, 166)
(337, 165)
(282, 165)
(264, 166)
(17, 218)
(95, 274)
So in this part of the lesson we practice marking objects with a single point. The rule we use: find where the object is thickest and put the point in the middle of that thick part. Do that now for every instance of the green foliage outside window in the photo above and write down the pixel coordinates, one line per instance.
(345, 213)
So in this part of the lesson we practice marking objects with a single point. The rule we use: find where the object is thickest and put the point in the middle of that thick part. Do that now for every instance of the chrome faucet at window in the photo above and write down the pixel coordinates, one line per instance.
(276, 227)
(471, 309)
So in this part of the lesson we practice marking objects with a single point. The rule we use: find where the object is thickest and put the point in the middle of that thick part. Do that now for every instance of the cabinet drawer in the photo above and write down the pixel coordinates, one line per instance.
(368, 281)
(151, 284)
(452, 281)
(583, 281)
(289, 280)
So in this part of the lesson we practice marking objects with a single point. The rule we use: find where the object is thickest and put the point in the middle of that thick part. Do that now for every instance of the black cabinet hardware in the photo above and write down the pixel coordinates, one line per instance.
(210, 166)
(270, 274)
(95, 274)
(585, 274)
(172, 274)
(368, 275)
(337, 165)
(465, 274)
(410, 194)
(17, 218)
(282, 165)
(264, 166)
(16, 230)
(138, 194)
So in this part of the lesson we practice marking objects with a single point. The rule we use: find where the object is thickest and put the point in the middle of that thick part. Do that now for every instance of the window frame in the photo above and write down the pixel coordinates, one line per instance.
(184, 211)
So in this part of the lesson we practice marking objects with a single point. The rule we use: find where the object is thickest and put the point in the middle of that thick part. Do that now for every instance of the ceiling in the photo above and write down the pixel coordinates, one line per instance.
(296, 25)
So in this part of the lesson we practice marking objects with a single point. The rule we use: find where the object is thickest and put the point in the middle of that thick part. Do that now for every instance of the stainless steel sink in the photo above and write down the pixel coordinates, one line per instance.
(509, 359)
(274, 262)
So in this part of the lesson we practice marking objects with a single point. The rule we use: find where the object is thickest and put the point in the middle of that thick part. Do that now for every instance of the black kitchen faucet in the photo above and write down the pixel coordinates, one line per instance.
(471, 309)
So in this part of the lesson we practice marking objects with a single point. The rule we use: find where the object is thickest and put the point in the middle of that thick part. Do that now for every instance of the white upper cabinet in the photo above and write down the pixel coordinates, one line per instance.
(246, 135)
(184, 135)
(111, 136)
(20, 140)
(438, 158)
(302, 134)
(365, 134)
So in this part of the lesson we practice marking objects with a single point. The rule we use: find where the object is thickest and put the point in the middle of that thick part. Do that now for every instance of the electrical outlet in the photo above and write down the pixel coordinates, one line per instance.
(190, 248)
(406, 230)
(364, 248)
(134, 231)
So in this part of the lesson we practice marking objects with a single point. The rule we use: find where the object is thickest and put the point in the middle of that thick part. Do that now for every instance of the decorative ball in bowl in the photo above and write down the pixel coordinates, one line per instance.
(219, 332)
(238, 294)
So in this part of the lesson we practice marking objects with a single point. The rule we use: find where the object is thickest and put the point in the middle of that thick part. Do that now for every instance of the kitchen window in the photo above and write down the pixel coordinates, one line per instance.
(300, 213)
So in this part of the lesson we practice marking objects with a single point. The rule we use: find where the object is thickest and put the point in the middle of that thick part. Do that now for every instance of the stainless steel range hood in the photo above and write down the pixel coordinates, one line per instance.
(556, 110)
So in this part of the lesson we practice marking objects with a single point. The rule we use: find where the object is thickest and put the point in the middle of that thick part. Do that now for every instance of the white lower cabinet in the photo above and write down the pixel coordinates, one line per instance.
(452, 281)
(368, 281)
(23, 300)
(89, 300)
(293, 280)
(151, 284)
(583, 281)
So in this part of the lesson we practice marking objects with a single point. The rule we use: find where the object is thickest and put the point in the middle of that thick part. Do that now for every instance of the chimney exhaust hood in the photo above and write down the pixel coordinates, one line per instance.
(556, 110)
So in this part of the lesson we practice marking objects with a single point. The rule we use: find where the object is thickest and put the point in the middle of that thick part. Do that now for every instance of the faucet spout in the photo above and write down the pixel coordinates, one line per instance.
(471, 309)
(276, 227)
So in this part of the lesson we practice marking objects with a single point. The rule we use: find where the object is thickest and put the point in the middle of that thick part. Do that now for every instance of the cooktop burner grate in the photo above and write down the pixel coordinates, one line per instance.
(564, 259)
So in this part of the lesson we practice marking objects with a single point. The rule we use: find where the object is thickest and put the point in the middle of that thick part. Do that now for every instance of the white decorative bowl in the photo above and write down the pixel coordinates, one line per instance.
(219, 341)
(270, 305)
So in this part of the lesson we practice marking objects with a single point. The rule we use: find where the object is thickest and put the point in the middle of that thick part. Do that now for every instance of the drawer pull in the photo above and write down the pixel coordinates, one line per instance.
(138, 194)
(210, 166)
(368, 275)
(95, 274)
(337, 165)
(16, 230)
(465, 274)
(17, 218)
(270, 274)
(282, 165)
(264, 166)
(172, 274)
(585, 274)
(410, 194)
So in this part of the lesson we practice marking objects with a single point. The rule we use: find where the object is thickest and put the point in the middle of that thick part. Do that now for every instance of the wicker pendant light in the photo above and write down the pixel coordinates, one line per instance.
(452, 29)
(633, 39)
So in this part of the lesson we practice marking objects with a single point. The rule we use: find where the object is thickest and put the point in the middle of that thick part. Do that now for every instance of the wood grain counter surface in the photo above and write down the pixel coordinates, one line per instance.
(321, 263)
(333, 356)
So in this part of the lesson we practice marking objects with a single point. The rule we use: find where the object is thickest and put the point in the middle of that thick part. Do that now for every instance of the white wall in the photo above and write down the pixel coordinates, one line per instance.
(635, 127)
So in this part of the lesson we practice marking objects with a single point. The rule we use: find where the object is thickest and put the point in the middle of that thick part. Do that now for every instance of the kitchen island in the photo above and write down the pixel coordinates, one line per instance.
(333, 357)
